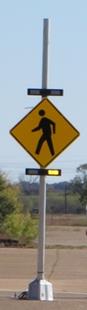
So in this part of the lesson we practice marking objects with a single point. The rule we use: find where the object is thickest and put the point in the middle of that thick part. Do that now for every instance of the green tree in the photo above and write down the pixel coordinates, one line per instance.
(13, 220)
(9, 198)
(21, 227)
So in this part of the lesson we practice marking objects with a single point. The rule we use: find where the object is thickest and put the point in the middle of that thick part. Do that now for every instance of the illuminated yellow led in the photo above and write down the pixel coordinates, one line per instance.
(53, 172)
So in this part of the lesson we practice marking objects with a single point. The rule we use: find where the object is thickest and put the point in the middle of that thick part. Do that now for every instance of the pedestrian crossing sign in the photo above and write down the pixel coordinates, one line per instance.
(44, 132)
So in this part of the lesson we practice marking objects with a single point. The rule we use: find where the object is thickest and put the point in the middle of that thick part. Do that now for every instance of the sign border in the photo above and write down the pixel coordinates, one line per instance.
(78, 133)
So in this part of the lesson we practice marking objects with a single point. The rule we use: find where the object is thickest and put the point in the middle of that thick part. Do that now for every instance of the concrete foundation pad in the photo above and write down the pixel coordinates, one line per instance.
(40, 290)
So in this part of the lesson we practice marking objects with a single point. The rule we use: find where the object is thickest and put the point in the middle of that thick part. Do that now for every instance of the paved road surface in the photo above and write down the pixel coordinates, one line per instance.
(59, 304)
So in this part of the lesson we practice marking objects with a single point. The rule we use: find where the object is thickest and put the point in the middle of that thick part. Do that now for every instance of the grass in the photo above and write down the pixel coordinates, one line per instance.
(64, 247)
(67, 220)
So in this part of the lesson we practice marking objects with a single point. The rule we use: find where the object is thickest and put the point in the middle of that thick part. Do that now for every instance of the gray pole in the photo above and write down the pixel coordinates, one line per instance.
(45, 53)
(40, 288)
(42, 194)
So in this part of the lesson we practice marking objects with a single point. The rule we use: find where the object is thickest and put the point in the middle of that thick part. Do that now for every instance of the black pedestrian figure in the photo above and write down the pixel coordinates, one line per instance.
(48, 128)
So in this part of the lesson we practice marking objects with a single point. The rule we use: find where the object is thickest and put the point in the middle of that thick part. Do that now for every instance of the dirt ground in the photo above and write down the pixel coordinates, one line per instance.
(66, 235)
(65, 268)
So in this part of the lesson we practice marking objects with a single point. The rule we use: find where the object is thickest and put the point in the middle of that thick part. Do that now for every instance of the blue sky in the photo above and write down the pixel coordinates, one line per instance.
(21, 31)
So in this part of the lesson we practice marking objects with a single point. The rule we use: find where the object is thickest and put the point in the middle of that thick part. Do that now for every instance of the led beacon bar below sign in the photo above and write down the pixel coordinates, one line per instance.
(48, 172)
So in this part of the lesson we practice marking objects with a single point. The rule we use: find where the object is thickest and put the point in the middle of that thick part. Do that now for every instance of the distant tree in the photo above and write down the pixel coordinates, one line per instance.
(3, 181)
(28, 186)
(76, 185)
(9, 198)
(82, 169)
(79, 184)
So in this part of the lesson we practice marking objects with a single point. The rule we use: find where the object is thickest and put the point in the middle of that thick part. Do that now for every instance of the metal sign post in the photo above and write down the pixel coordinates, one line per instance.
(42, 197)
(40, 288)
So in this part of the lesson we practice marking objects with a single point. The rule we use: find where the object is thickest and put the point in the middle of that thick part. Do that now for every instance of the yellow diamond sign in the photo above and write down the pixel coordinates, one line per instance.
(44, 132)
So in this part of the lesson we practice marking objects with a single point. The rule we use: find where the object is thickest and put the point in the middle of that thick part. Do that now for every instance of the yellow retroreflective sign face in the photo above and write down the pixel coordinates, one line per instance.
(44, 132)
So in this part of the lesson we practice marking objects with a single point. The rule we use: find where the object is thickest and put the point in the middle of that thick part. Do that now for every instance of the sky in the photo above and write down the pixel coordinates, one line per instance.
(21, 38)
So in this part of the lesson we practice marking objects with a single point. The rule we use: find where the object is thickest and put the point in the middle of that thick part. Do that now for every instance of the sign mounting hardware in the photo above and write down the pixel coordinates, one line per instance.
(47, 172)
(45, 92)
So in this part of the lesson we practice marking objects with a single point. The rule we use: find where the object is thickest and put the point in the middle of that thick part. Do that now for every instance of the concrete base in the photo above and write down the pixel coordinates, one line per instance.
(40, 290)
